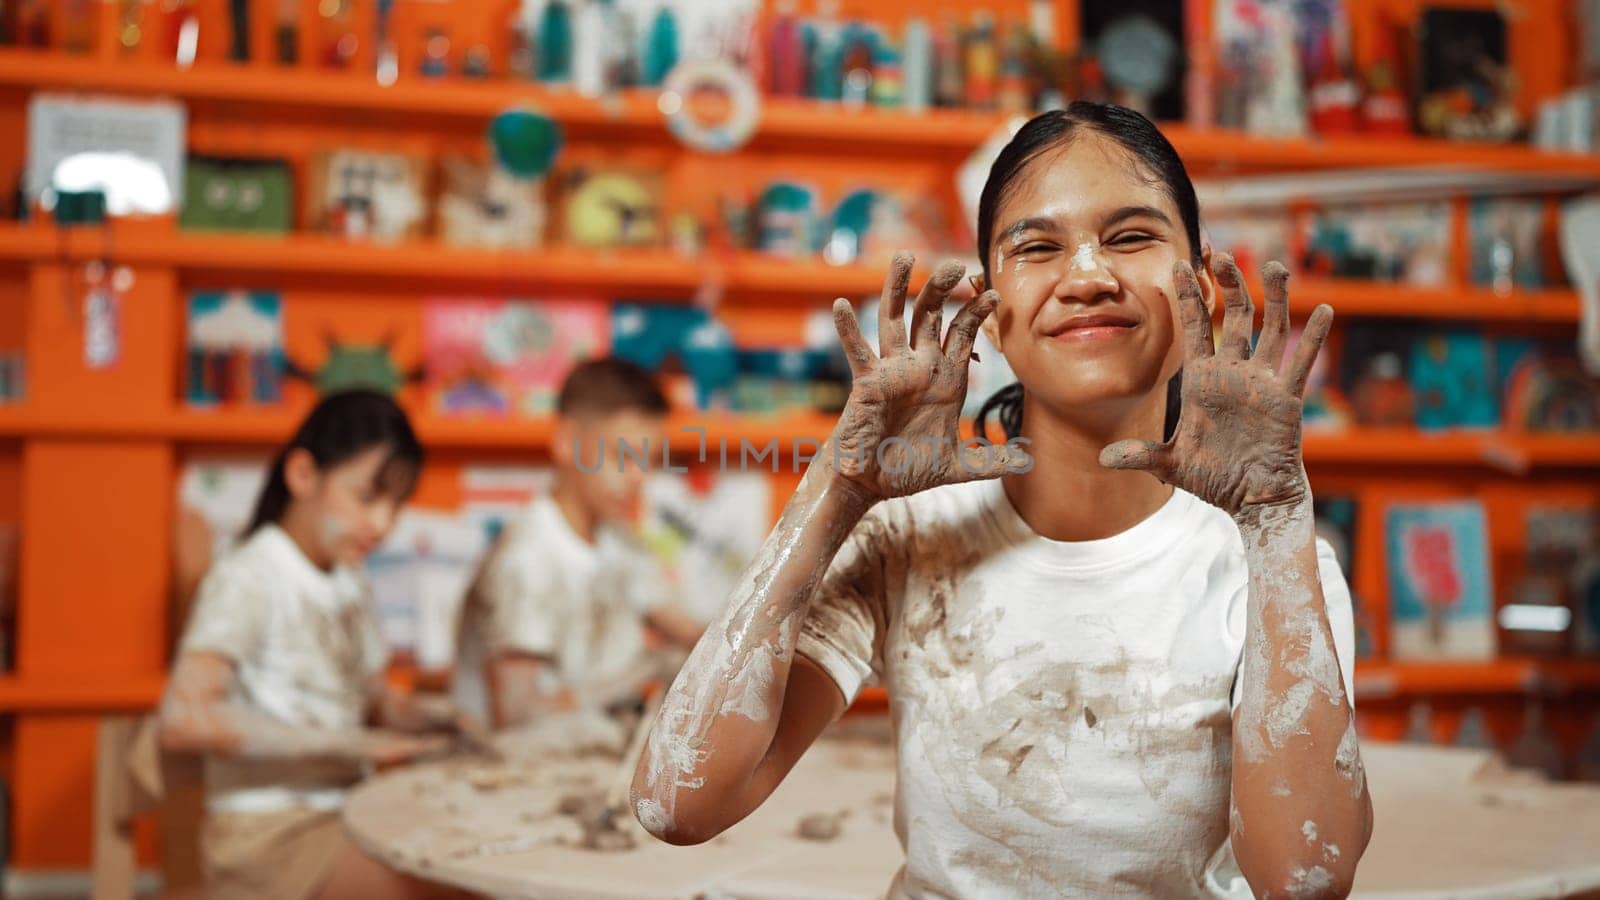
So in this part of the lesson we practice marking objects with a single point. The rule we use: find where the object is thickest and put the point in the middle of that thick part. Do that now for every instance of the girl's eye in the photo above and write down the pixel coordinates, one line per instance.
(1131, 239)
(1032, 249)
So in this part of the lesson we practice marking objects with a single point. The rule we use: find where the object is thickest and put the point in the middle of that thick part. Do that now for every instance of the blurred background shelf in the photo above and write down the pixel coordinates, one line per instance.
(783, 121)
(1374, 446)
(746, 273)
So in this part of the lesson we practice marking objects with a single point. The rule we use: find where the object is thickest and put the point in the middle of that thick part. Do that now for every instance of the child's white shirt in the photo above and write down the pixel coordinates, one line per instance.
(305, 646)
(547, 592)
(1062, 710)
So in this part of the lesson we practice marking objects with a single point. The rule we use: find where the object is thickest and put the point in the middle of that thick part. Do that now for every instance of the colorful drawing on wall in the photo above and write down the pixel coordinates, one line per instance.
(1438, 557)
(235, 348)
(496, 357)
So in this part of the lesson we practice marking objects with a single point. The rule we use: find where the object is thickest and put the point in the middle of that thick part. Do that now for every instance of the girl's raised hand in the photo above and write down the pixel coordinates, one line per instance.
(1237, 445)
(900, 429)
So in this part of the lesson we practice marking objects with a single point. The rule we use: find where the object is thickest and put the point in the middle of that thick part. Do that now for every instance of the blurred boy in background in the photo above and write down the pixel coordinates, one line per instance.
(560, 614)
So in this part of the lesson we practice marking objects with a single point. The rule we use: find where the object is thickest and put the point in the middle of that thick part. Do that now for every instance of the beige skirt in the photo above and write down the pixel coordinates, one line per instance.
(287, 855)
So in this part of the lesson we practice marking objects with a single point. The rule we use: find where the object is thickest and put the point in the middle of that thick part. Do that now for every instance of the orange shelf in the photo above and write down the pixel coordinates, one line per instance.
(783, 122)
(1378, 679)
(746, 274)
(44, 693)
(1366, 446)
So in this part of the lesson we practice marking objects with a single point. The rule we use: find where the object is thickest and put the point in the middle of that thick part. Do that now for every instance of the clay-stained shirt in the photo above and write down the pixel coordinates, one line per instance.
(1062, 710)
(305, 646)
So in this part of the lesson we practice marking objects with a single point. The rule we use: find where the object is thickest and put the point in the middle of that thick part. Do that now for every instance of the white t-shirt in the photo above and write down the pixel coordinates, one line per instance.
(547, 592)
(305, 645)
(1062, 709)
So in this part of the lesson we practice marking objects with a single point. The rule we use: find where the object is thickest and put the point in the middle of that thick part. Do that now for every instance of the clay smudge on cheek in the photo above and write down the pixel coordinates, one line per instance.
(1309, 830)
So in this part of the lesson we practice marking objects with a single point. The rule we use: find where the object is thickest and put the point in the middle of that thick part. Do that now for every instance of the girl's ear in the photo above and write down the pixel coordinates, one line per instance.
(300, 472)
(1208, 282)
(561, 443)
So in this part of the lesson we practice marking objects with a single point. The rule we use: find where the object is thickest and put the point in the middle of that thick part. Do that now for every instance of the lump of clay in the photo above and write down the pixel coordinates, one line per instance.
(820, 827)
(574, 733)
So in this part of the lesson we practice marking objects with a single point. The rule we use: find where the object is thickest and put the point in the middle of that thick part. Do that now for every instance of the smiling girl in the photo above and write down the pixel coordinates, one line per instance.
(1118, 662)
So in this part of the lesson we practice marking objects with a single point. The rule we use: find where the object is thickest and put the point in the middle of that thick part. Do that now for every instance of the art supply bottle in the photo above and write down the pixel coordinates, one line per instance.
(1334, 97)
(77, 26)
(855, 64)
(786, 66)
(982, 57)
(660, 48)
(435, 54)
(916, 66)
(239, 45)
(888, 85)
(286, 32)
(555, 43)
(1016, 95)
(948, 76)
(589, 35)
(519, 49)
(1384, 111)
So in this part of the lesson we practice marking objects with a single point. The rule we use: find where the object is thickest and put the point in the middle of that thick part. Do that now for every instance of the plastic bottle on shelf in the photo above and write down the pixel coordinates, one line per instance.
(888, 77)
(786, 64)
(949, 77)
(519, 49)
(916, 66)
(660, 48)
(982, 58)
(1384, 111)
(555, 43)
(591, 31)
(1334, 97)
(1015, 95)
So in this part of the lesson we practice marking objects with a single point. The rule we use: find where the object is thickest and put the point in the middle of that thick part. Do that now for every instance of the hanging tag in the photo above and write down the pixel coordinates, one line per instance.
(102, 319)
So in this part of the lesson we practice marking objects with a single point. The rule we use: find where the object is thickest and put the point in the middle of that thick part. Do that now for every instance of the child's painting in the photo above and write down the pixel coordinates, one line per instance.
(1438, 556)
(506, 357)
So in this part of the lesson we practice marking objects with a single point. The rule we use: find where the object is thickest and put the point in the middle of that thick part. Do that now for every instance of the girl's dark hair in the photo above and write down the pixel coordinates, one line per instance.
(1155, 155)
(342, 426)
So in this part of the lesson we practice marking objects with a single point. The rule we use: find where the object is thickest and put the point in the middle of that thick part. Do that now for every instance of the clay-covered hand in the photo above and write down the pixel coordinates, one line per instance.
(384, 748)
(1237, 445)
(900, 429)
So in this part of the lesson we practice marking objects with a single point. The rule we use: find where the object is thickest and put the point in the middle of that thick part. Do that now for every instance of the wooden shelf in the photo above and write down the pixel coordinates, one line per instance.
(643, 271)
(783, 122)
(49, 693)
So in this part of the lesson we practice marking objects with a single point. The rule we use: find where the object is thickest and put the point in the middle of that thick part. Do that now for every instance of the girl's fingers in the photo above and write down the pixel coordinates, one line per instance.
(1145, 456)
(855, 346)
(1238, 312)
(987, 460)
(928, 313)
(1192, 314)
(1275, 321)
(892, 306)
(964, 327)
(1305, 352)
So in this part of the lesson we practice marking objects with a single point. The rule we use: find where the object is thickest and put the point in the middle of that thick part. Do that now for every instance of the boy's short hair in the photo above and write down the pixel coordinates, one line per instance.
(607, 386)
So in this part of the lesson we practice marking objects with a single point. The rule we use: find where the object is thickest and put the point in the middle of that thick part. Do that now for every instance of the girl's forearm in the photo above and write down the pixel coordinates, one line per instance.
(1301, 816)
(719, 718)
(225, 728)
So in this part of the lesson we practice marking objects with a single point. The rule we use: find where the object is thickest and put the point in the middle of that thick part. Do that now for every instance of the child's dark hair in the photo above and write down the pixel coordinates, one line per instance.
(605, 386)
(1154, 153)
(340, 427)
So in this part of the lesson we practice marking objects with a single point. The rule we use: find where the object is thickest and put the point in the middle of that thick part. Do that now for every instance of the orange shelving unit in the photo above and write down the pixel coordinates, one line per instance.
(96, 454)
